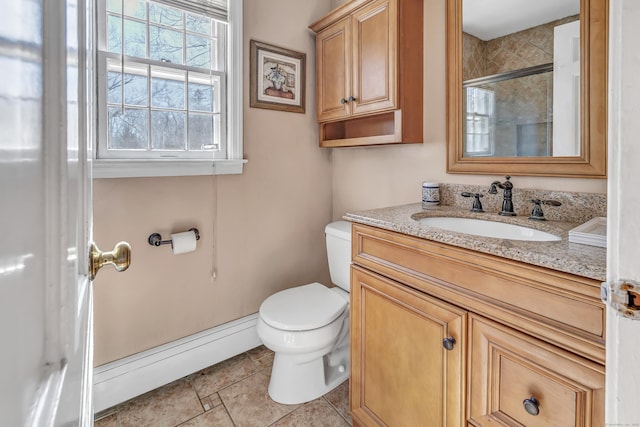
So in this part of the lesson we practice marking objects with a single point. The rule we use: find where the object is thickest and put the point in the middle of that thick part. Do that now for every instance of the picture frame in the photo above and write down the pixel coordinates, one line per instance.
(277, 78)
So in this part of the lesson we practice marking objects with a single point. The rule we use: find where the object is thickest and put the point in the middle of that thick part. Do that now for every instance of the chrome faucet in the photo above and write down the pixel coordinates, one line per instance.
(507, 204)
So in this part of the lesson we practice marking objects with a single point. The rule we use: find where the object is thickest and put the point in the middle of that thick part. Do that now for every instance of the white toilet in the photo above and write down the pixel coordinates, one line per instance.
(308, 328)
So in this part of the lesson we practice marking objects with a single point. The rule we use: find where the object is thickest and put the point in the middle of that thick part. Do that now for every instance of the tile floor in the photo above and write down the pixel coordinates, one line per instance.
(232, 393)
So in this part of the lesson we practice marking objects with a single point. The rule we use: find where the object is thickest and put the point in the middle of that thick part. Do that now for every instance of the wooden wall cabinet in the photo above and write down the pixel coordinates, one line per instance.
(529, 342)
(369, 73)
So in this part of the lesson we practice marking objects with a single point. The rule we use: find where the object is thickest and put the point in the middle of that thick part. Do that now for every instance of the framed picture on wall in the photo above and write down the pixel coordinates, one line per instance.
(277, 78)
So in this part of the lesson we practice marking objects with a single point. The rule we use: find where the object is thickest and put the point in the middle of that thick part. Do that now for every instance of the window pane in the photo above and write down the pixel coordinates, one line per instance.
(198, 24)
(114, 34)
(166, 16)
(114, 6)
(200, 97)
(167, 130)
(198, 51)
(135, 38)
(135, 8)
(201, 132)
(114, 88)
(135, 89)
(470, 147)
(154, 109)
(165, 45)
(167, 92)
(127, 129)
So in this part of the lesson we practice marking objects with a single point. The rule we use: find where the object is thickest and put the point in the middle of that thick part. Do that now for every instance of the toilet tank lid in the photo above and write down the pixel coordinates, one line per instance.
(302, 308)
(341, 229)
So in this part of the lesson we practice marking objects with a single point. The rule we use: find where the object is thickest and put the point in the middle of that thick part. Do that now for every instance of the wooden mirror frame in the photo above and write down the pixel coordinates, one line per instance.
(592, 162)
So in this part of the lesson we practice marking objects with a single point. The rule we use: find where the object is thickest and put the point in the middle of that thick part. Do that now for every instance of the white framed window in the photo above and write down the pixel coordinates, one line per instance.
(169, 88)
(479, 110)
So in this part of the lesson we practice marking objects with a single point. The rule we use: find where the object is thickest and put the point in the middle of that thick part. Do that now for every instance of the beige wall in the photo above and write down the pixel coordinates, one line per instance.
(262, 231)
(366, 178)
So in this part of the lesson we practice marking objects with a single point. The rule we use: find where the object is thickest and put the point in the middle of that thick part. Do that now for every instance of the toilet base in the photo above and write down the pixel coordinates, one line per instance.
(292, 383)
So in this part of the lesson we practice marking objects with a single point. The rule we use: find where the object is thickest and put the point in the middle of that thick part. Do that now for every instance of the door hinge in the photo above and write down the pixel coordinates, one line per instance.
(623, 296)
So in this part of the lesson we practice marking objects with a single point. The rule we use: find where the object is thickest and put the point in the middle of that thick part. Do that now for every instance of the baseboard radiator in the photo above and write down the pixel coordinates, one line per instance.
(123, 379)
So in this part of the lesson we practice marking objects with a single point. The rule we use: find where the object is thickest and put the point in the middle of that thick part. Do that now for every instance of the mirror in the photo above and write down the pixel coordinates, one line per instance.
(527, 96)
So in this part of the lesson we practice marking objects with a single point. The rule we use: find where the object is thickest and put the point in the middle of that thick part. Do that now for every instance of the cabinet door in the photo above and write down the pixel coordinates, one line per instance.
(375, 63)
(333, 70)
(517, 380)
(401, 374)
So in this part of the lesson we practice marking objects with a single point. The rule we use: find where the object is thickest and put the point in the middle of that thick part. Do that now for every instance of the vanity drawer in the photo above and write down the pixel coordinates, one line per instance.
(560, 308)
(507, 368)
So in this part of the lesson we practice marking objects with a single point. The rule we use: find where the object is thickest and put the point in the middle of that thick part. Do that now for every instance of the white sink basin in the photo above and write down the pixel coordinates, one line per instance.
(498, 230)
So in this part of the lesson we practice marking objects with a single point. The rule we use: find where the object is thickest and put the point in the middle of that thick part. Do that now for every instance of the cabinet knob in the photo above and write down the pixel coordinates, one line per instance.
(448, 343)
(343, 101)
(532, 406)
(352, 98)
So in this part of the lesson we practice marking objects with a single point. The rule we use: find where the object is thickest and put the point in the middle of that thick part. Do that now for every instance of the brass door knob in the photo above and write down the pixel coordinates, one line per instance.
(119, 257)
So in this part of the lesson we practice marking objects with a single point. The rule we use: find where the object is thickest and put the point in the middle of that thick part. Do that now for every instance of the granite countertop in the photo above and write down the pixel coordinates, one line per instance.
(582, 260)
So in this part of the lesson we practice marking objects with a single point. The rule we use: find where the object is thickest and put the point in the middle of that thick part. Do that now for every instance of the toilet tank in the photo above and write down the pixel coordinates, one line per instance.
(338, 235)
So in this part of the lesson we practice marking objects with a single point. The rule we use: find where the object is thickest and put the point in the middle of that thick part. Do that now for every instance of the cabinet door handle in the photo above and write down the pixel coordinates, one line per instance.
(448, 343)
(343, 101)
(532, 406)
(352, 98)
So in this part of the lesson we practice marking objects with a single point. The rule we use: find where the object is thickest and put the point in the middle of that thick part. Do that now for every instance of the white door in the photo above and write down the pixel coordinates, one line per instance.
(45, 297)
(623, 253)
(45, 214)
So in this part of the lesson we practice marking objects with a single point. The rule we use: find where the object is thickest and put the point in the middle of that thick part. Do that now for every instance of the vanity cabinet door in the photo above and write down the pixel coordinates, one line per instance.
(401, 373)
(333, 70)
(375, 41)
(517, 380)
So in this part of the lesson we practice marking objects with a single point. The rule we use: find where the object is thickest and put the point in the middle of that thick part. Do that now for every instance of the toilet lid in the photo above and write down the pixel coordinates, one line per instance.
(302, 308)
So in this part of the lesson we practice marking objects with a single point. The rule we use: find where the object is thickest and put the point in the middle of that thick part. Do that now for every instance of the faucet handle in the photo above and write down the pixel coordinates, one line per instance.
(477, 206)
(537, 213)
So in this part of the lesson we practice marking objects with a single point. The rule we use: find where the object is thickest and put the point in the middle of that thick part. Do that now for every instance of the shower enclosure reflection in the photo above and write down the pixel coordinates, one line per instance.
(521, 91)
(510, 114)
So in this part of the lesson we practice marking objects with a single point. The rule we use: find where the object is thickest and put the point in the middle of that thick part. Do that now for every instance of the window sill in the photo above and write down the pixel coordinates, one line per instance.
(165, 167)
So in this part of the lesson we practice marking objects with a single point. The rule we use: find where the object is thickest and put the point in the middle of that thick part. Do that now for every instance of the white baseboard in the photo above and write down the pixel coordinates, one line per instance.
(131, 376)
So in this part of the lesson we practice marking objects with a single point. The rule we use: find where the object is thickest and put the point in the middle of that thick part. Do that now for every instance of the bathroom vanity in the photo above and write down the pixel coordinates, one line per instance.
(450, 329)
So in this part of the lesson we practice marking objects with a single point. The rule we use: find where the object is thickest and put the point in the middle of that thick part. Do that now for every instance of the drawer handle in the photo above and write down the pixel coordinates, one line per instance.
(448, 343)
(532, 406)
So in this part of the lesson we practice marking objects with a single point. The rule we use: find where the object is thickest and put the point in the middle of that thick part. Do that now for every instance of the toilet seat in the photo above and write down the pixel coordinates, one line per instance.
(302, 308)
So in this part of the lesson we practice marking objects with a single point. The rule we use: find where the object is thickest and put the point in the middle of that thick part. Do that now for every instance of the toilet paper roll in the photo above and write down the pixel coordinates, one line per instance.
(182, 243)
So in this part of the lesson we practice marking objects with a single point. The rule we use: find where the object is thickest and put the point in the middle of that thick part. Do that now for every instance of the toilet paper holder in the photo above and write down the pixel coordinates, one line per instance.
(155, 239)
